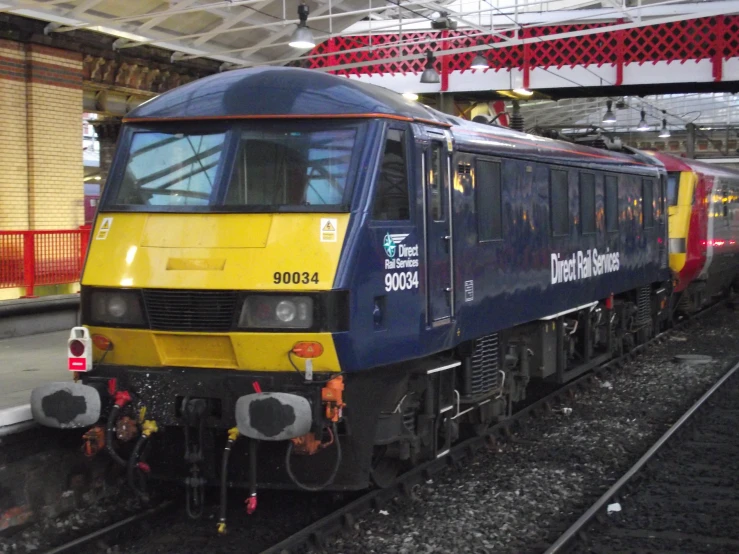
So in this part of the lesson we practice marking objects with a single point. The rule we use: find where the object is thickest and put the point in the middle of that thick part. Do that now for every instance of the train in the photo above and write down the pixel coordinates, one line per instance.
(703, 206)
(297, 280)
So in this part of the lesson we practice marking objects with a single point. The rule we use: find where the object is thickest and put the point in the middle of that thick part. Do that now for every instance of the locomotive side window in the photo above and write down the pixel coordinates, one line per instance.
(391, 195)
(648, 202)
(436, 199)
(487, 187)
(559, 202)
(587, 203)
(611, 203)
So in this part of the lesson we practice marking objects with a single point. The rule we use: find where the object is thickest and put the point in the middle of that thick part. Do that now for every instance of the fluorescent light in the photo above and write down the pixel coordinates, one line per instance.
(410, 96)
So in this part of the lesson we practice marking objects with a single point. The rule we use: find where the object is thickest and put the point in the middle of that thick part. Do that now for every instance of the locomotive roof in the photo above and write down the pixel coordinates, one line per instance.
(675, 163)
(286, 92)
(280, 92)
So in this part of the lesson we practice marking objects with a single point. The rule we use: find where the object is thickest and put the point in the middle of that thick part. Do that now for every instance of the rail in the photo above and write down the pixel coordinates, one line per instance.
(565, 540)
(29, 259)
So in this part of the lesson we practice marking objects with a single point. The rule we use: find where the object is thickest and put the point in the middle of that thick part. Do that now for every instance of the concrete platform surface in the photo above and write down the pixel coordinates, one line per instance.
(26, 362)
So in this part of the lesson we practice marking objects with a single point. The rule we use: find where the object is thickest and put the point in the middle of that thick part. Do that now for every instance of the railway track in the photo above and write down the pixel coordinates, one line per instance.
(681, 494)
(316, 534)
(117, 527)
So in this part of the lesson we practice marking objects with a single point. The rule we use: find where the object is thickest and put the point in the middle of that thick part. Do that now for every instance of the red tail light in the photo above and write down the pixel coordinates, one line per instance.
(76, 348)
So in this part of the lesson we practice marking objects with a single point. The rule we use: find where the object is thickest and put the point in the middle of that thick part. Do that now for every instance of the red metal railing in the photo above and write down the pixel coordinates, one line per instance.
(715, 38)
(34, 258)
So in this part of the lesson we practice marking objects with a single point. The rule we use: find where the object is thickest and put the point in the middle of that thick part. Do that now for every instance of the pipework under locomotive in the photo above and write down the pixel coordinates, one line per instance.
(300, 280)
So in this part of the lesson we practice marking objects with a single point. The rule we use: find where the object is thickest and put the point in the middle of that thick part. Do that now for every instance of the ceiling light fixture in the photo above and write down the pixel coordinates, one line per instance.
(479, 61)
(517, 86)
(643, 125)
(303, 37)
(610, 117)
(430, 75)
(410, 96)
(665, 133)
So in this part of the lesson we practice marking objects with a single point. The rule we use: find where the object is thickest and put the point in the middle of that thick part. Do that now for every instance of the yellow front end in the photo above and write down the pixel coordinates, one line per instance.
(280, 252)
(679, 220)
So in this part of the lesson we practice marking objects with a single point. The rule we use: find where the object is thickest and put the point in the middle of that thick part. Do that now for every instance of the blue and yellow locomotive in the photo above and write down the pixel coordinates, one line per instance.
(348, 280)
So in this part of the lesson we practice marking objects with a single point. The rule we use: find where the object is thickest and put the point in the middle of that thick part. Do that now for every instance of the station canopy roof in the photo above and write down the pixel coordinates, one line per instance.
(242, 33)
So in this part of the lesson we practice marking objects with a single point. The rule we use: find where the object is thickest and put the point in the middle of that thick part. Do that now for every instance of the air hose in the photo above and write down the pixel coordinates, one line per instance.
(233, 434)
(314, 488)
(133, 464)
(121, 399)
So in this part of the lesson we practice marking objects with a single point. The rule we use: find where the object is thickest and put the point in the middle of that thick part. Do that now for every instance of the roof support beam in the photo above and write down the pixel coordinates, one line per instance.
(229, 22)
(551, 17)
(83, 7)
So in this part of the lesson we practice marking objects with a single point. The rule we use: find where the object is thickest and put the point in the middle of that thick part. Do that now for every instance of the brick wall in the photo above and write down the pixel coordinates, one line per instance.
(13, 137)
(41, 169)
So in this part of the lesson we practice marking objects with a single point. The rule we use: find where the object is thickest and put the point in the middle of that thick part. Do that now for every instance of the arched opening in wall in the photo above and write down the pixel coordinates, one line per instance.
(92, 180)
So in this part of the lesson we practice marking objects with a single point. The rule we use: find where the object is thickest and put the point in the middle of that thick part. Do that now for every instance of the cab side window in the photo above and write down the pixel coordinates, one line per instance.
(391, 193)
(611, 203)
(559, 200)
(587, 203)
(648, 202)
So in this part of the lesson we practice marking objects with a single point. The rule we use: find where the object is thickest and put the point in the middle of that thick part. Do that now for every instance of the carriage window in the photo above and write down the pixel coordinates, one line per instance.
(673, 188)
(611, 203)
(436, 198)
(171, 169)
(647, 198)
(291, 167)
(559, 203)
(391, 195)
(587, 203)
(487, 187)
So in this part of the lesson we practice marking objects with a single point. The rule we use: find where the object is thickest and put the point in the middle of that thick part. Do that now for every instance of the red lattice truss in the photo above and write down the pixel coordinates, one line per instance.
(714, 38)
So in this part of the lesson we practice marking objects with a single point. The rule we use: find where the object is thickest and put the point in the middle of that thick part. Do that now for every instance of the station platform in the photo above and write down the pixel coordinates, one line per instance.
(26, 362)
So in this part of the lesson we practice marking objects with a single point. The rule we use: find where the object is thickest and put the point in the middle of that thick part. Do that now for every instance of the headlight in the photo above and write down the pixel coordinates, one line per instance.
(115, 307)
(281, 312)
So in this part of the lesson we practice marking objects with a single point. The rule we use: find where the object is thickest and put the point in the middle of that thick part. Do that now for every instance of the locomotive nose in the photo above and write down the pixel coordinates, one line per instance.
(65, 405)
(273, 416)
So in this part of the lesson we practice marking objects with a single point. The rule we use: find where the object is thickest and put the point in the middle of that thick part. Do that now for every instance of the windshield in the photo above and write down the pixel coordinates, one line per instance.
(277, 168)
(166, 169)
(254, 166)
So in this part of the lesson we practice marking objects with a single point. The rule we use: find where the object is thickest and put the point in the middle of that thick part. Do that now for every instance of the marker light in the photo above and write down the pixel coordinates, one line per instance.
(308, 349)
(102, 343)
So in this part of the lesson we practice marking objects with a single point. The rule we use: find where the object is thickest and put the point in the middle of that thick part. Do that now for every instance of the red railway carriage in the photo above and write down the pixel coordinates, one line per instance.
(703, 207)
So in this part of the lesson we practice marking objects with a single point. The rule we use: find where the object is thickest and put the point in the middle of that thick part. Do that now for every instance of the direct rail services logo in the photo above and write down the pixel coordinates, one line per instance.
(391, 243)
